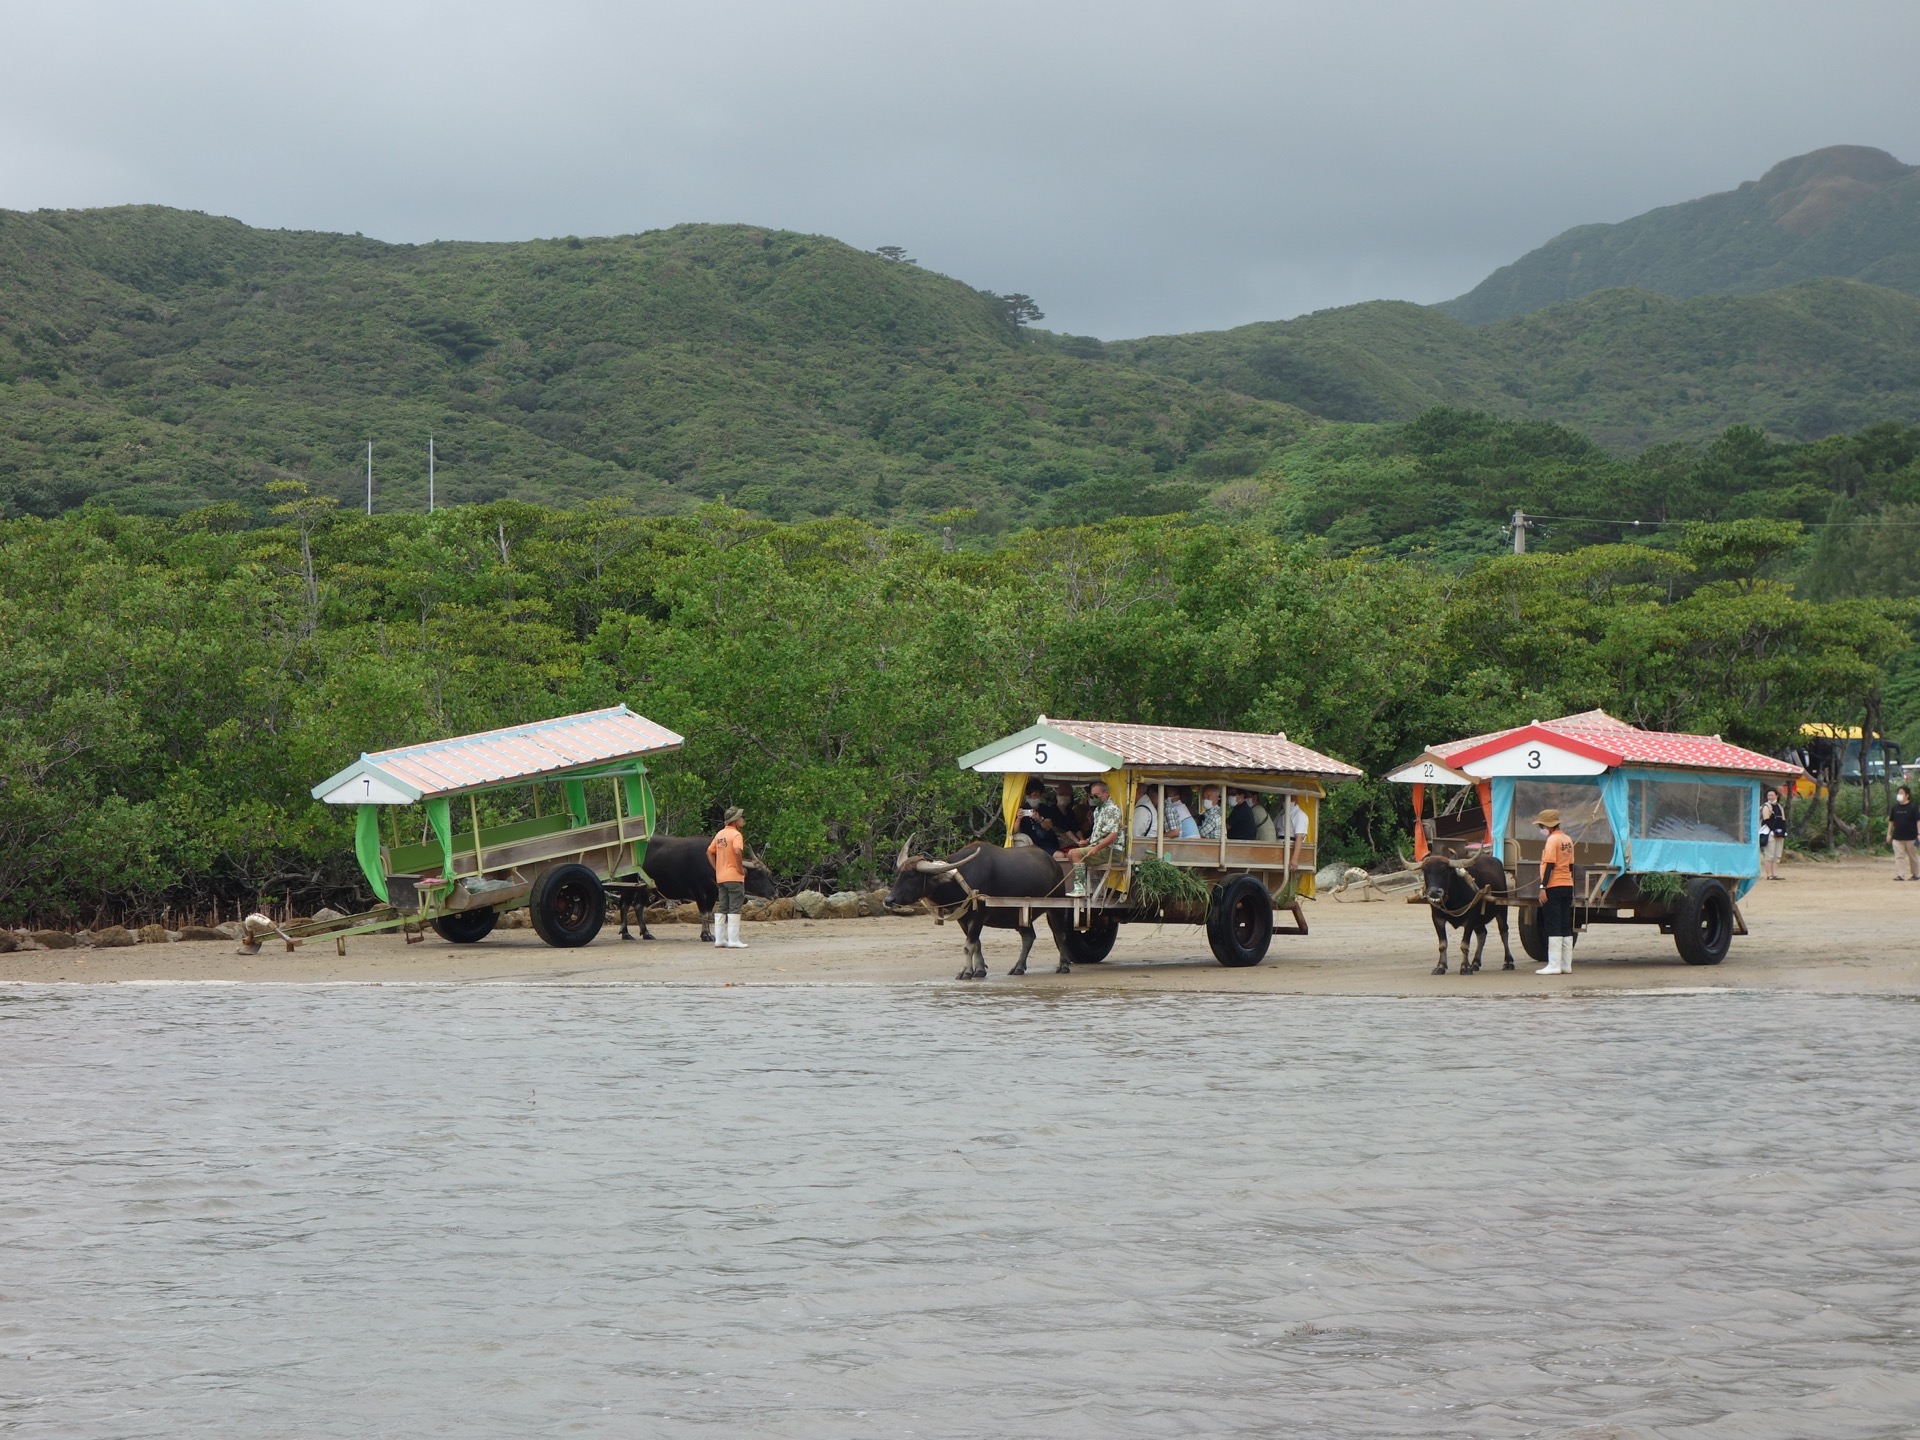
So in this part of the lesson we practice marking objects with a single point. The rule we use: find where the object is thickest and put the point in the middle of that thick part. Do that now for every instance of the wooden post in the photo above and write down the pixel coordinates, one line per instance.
(1160, 824)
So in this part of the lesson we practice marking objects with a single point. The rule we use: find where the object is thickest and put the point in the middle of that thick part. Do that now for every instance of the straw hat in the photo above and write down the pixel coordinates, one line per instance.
(734, 812)
(1548, 818)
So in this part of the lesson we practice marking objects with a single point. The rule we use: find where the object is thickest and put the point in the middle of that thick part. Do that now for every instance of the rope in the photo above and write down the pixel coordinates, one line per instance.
(1478, 896)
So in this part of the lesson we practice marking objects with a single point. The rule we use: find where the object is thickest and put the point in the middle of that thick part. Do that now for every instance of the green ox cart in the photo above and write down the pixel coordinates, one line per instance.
(432, 862)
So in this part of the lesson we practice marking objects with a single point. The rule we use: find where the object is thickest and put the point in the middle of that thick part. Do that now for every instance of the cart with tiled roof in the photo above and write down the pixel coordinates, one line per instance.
(542, 816)
(1665, 826)
(1246, 881)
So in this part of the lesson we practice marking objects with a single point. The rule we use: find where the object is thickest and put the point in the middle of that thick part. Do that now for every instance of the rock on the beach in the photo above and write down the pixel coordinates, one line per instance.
(202, 932)
(154, 935)
(781, 909)
(515, 920)
(8, 942)
(756, 908)
(687, 913)
(53, 939)
(114, 937)
(231, 930)
(842, 905)
(327, 912)
(810, 903)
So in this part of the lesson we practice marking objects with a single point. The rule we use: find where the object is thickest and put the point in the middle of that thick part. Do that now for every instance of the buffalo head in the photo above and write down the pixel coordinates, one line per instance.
(1436, 872)
(915, 878)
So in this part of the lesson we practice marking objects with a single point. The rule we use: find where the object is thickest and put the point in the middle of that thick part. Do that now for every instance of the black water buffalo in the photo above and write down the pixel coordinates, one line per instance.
(990, 870)
(1454, 891)
(680, 870)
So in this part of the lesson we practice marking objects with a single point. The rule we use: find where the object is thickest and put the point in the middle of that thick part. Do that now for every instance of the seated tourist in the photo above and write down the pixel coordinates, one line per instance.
(1263, 826)
(1212, 822)
(1240, 822)
(1146, 820)
(1034, 823)
(1298, 821)
(1065, 814)
(1180, 822)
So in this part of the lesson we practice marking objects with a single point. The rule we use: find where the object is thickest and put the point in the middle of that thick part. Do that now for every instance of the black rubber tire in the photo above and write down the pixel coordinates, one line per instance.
(1089, 946)
(1533, 939)
(1240, 922)
(466, 927)
(568, 906)
(1703, 922)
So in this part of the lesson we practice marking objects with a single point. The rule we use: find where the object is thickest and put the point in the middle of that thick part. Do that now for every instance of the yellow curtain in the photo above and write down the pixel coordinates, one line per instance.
(1120, 786)
(1013, 789)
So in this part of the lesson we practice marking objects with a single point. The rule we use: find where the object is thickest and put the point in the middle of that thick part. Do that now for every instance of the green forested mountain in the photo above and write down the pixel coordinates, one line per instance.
(1629, 367)
(1845, 211)
(161, 361)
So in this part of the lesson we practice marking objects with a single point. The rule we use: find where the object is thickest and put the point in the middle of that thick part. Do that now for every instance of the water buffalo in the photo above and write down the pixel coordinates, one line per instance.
(990, 870)
(1453, 891)
(680, 870)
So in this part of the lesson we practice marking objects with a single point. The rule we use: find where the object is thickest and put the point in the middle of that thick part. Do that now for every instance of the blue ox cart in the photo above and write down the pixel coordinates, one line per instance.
(1664, 826)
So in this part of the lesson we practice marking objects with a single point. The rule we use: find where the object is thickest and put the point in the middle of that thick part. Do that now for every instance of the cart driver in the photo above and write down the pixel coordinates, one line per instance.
(728, 853)
(1556, 894)
(1101, 843)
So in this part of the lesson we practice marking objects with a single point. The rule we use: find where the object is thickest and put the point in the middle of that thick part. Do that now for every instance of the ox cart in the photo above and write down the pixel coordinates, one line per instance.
(1236, 887)
(568, 814)
(1664, 825)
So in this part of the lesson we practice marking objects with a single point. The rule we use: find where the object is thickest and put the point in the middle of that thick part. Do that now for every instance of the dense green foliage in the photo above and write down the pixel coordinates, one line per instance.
(1628, 367)
(1445, 484)
(1844, 211)
(160, 361)
(169, 689)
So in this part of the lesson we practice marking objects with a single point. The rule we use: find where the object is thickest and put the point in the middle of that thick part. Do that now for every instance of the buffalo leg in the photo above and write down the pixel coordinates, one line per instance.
(706, 924)
(1026, 944)
(976, 966)
(1480, 946)
(1500, 918)
(1440, 934)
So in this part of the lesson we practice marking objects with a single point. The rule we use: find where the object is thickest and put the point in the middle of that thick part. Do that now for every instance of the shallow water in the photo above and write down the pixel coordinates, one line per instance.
(523, 1211)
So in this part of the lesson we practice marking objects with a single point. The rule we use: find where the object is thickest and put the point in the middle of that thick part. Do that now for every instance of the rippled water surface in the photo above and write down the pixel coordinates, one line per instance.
(556, 1211)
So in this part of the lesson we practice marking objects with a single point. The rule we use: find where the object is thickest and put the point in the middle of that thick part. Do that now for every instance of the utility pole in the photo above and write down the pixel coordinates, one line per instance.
(1519, 532)
(369, 477)
(429, 472)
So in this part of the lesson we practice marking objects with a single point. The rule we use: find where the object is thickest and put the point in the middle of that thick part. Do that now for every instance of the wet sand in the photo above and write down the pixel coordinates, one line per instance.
(1841, 927)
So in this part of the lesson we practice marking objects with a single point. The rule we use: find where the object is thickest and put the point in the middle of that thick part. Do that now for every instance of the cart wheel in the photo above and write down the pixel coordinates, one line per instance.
(1703, 922)
(1533, 939)
(466, 927)
(1240, 922)
(568, 906)
(1089, 946)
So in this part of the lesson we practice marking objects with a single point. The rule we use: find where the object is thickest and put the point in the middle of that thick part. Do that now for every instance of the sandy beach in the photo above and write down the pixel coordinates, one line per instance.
(1839, 927)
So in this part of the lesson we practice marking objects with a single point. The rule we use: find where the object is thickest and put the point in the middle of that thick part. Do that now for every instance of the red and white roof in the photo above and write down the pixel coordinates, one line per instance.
(1588, 743)
(1091, 746)
(520, 753)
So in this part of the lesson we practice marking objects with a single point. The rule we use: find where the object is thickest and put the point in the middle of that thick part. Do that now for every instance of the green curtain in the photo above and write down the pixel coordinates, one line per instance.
(366, 847)
(442, 824)
(640, 807)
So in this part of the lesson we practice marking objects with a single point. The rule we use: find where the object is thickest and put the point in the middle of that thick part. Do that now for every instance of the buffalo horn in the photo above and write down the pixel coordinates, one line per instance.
(934, 867)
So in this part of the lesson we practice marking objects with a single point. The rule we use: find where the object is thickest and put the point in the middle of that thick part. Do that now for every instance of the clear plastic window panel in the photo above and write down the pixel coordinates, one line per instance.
(1583, 815)
(1688, 810)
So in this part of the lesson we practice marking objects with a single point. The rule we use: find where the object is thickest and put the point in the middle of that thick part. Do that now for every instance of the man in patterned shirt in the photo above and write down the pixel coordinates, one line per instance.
(1104, 839)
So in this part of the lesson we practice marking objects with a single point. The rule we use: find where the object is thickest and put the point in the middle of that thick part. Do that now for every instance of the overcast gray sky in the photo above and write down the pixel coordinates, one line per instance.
(1138, 168)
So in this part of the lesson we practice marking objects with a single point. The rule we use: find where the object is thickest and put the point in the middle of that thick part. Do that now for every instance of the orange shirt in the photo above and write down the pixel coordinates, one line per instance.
(728, 851)
(1556, 862)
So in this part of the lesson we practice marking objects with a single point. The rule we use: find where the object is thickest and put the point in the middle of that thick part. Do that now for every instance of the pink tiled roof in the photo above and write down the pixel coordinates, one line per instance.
(1629, 745)
(1223, 750)
(525, 752)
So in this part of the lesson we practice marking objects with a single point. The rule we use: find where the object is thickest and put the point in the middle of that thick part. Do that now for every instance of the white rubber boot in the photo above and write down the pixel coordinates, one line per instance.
(1566, 954)
(734, 942)
(719, 923)
(1552, 967)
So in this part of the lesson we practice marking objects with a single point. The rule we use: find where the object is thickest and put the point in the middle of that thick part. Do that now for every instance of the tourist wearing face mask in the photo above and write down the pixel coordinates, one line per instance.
(1556, 894)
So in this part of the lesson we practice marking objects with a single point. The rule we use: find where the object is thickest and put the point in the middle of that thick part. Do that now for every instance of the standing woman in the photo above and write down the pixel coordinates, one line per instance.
(1773, 834)
(1556, 894)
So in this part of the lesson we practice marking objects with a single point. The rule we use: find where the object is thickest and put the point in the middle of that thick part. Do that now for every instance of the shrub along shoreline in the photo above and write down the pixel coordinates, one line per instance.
(169, 689)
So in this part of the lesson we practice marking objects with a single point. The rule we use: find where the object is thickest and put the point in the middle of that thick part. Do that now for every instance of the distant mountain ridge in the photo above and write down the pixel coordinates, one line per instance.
(1847, 211)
